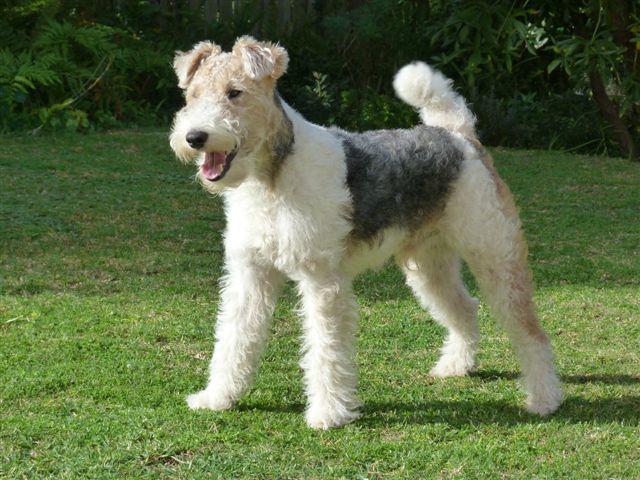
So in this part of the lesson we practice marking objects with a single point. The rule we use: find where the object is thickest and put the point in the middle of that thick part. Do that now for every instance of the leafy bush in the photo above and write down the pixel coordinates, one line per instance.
(566, 121)
(76, 76)
(528, 73)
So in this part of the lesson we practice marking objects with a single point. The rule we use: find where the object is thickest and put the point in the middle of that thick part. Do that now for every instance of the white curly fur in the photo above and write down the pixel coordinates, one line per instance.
(431, 93)
(293, 224)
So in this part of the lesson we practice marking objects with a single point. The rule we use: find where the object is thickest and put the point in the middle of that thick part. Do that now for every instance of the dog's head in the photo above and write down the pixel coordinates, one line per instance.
(231, 108)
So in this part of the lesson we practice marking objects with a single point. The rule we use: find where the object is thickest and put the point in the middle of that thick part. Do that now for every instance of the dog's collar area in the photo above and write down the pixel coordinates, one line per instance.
(217, 164)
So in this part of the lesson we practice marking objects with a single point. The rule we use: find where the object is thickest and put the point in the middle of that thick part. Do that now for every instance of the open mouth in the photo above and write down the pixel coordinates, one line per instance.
(216, 164)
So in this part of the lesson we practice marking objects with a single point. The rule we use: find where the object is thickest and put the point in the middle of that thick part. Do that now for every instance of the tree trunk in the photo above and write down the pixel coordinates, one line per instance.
(620, 20)
(609, 110)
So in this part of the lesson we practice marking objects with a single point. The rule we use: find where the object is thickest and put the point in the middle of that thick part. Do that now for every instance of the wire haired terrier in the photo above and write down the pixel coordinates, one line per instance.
(320, 205)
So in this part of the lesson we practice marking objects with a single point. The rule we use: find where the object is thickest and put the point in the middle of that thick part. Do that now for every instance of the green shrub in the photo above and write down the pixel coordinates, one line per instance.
(74, 76)
(567, 121)
(86, 65)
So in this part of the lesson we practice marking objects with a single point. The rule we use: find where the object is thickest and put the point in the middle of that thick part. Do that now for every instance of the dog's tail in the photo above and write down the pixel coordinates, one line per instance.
(431, 93)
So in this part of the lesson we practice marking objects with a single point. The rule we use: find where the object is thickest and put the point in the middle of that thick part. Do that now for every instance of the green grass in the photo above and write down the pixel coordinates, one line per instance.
(110, 256)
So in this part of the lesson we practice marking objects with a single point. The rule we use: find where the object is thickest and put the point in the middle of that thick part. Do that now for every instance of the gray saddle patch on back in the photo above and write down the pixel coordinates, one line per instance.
(398, 177)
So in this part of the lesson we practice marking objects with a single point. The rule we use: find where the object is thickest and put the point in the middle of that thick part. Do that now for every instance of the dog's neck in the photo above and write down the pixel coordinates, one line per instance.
(276, 146)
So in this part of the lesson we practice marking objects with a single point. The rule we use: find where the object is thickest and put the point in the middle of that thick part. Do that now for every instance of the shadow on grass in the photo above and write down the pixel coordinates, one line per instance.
(622, 409)
(625, 409)
(573, 379)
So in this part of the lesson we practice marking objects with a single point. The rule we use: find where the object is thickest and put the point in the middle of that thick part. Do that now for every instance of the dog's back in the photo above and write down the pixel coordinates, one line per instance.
(398, 178)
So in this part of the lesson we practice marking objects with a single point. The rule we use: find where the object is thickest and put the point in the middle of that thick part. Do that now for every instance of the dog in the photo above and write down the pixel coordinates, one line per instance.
(320, 205)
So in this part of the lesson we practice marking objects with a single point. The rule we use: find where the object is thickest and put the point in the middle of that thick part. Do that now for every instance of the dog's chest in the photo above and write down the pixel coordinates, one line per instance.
(283, 232)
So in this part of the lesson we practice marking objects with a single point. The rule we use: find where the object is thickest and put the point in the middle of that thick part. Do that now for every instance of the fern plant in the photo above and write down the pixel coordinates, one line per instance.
(74, 76)
(21, 74)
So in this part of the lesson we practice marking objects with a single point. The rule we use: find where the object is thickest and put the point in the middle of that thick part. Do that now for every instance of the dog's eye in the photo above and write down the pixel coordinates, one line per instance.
(233, 93)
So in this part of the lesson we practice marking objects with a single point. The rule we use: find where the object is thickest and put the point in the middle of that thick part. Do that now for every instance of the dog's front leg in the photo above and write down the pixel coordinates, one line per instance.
(249, 294)
(329, 360)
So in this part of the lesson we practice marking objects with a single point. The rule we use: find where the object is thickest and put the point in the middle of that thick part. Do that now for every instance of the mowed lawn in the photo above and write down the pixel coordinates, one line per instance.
(110, 259)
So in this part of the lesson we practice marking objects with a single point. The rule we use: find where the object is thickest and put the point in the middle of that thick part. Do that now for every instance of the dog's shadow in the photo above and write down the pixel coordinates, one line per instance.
(458, 413)
(575, 409)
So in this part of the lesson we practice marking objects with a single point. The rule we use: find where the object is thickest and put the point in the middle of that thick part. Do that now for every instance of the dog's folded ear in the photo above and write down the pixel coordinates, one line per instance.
(186, 63)
(261, 59)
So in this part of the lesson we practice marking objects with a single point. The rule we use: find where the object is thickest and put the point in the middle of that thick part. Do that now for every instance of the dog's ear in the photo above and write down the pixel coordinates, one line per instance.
(261, 59)
(186, 63)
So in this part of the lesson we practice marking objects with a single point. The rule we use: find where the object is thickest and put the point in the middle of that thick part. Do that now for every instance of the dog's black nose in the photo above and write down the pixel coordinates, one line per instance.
(196, 138)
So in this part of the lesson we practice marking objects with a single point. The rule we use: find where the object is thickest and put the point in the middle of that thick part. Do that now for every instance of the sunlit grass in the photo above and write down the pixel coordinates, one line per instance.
(110, 255)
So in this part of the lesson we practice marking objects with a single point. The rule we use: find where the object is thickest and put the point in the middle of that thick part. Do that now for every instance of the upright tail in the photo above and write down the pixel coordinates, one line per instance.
(431, 93)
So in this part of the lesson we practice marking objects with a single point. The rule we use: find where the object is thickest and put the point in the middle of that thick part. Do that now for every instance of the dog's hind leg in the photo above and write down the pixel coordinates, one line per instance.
(432, 270)
(330, 325)
(248, 299)
(481, 221)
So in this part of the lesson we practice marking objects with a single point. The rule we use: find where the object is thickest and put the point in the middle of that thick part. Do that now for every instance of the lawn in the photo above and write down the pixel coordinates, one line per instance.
(109, 262)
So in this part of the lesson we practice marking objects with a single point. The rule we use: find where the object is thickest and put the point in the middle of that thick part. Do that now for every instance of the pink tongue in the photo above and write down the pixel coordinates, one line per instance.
(213, 164)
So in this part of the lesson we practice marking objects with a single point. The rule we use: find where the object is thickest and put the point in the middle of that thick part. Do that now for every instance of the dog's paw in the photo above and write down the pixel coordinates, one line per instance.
(325, 417)
(453, 366)
(545, 399)
(206, 399)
